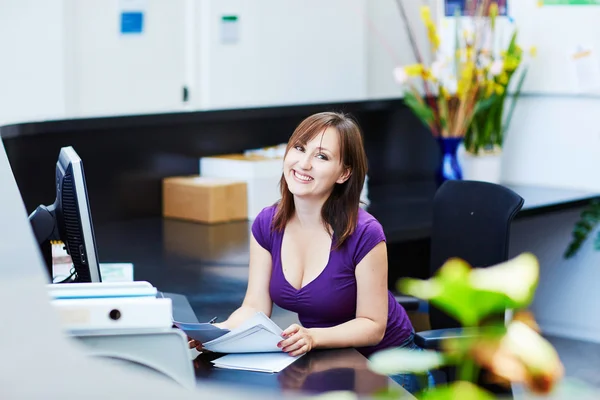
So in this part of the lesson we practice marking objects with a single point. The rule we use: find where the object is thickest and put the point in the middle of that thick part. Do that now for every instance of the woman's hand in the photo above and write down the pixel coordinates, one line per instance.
(220, 325)
(298, 340)
(194, 343)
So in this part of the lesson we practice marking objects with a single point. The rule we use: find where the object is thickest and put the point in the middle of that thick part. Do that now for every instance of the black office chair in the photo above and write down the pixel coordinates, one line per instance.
(409, 303)
(471, 220)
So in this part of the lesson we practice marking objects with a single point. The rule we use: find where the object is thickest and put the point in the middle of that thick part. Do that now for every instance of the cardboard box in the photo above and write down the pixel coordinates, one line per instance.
(222, 244)
(207, 200)
(261, 174)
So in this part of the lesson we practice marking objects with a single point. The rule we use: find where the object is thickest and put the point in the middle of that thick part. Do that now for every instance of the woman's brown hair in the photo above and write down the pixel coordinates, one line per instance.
(340, 210)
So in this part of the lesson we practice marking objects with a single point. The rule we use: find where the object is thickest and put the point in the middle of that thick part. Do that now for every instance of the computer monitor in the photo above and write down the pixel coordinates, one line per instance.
(69, 220)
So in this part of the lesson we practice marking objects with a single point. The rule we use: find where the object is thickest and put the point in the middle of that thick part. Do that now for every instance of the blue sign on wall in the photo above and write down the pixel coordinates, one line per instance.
(462, 7)
(132, 22)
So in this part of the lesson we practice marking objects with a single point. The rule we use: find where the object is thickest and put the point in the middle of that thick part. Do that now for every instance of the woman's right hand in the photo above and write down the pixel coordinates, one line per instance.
(195, 344)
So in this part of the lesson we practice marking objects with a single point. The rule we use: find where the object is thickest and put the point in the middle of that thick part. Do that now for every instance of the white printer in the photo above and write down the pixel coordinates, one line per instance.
(127, 321)
(116, 305)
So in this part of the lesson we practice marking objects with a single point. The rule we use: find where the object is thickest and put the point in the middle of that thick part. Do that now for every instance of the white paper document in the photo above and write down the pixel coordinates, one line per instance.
(262, 362)
(202, 332)
(257, 335)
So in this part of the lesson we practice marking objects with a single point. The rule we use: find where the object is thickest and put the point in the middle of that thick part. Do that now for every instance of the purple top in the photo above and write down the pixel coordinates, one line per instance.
(317, 305)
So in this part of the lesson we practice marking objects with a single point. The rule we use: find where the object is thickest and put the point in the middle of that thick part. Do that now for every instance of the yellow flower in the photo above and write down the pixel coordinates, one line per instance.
(517, 53)
(493, 10)
(432, 34)
(533, 51)
(511, 63)
(468, 79)
(499, 89)
(489, 89)
(468, 71)
(469, 53)
(444, 92)
(425, 14)
(503, 78)
(434, 39)
(414, 70)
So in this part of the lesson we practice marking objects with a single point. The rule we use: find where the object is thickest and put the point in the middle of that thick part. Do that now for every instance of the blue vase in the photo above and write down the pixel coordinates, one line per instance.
(450, 167)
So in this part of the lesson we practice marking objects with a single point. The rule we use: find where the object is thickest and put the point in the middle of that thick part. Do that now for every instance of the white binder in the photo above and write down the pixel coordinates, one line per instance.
(101, 290)
(113, 313)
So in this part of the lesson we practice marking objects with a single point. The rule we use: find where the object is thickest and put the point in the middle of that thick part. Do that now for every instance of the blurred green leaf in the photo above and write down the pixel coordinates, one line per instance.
(421, 110)
(399, 361)
(513, 103)
(512, 46)
(392, 394)
(471, 295)
(443, 111)
(588, 221)
(451, 291)
(485, 104)
(457, 349)
(597, 242)
(517, 278)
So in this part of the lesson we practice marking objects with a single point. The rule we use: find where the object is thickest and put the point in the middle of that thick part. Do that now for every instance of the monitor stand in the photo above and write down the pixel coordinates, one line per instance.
(43, 223)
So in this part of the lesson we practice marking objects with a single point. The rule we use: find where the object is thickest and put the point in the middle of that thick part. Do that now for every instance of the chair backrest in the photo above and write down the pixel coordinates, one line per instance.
(471, 220)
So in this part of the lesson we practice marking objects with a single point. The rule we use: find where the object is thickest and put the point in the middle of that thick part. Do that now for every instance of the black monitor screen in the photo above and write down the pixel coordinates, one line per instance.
(69, 219)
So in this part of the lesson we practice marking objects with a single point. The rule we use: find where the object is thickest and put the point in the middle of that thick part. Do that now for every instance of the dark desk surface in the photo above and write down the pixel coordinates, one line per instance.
(217, 290)
(316, 372)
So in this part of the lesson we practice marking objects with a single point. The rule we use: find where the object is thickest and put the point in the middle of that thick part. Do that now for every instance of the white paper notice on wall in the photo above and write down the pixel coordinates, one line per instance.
(230, 29)
(586, 65)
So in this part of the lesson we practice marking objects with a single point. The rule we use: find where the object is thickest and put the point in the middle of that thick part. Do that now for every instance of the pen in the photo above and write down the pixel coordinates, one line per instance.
(213, 320)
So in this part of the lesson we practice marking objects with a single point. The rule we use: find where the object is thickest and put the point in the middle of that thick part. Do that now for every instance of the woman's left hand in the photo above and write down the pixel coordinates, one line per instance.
(299, 340)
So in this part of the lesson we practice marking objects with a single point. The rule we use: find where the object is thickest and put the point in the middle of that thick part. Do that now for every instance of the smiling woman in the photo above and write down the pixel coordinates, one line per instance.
(325, 162)
(318, 254)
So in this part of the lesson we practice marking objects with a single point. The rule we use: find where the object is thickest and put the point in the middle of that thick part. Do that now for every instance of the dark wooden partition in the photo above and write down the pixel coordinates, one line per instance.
(126, 157)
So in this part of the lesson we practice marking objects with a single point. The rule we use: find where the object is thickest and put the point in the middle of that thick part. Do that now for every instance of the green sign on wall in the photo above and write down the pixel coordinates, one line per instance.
(570, 2)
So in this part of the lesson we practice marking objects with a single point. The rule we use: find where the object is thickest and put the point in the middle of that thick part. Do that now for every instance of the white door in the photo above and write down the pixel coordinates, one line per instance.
(124, 56)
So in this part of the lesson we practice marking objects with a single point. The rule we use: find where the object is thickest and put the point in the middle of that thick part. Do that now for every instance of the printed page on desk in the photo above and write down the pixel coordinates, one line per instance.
(257, 335)
(263, 362)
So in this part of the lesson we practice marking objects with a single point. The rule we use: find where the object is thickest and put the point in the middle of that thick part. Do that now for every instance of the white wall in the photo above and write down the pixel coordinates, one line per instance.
(67, 58)
(554, 137)
(31, 60)
(111, 73)
(566, 301)
(558, 31)
(288, 52)
(554, 141)
(388, 44)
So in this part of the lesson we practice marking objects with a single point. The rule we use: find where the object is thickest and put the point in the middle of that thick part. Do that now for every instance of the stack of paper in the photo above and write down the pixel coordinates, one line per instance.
(252, 346)
(259, 362)
(202, 332)
(257, 335)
